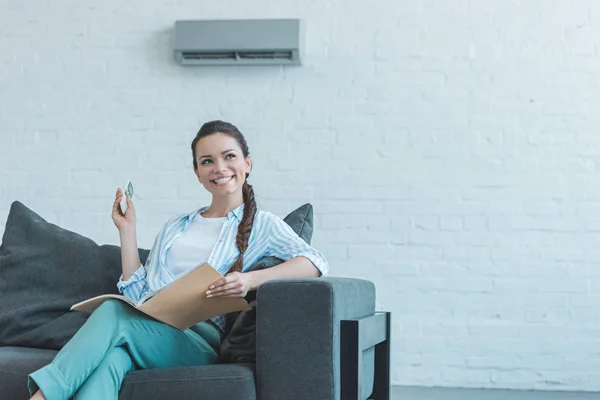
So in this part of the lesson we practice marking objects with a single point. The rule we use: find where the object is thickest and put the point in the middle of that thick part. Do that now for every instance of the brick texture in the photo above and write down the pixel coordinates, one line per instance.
(450, 149)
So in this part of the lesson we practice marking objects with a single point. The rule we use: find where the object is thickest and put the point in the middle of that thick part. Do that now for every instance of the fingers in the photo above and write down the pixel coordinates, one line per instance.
(233, 287)
(229, 286)
(118, 197)
(232, 293)
(225, 280)
(115, 206)
(237, 292)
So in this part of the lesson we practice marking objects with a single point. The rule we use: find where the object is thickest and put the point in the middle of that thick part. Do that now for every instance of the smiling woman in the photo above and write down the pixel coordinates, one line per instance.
(231, 235)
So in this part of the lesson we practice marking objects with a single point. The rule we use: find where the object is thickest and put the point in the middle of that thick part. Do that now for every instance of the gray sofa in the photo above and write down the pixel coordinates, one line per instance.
(304, 339)
(297, 351)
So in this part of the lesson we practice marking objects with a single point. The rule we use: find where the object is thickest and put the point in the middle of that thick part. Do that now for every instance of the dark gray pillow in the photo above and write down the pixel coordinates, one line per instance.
(44, 270)
(239, 345)
(301, 221)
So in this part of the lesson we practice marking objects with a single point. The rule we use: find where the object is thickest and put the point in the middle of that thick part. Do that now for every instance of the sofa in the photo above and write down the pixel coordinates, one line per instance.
(303, 339)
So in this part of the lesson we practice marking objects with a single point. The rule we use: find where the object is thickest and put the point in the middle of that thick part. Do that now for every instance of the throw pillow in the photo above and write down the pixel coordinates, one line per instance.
(301, 221)
(44, 270)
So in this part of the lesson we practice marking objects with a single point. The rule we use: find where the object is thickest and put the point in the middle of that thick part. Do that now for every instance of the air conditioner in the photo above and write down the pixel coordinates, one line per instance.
(237, 42)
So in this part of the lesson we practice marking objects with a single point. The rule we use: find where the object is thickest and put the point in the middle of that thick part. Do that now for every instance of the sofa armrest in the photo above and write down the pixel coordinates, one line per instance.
(298, 335)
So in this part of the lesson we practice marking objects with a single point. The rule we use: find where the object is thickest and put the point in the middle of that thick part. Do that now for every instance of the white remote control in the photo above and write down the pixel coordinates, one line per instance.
(127, 191)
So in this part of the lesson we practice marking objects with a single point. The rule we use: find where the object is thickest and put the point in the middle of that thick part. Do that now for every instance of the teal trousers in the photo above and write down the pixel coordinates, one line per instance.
(116, 339)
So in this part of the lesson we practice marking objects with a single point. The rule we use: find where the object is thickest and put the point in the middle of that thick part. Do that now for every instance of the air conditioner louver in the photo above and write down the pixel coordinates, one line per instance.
(266, 55)
(208, 56)
(238, 57)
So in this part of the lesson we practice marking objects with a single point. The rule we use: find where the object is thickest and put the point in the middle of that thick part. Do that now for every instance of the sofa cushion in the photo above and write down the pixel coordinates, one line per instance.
(210, 382)
(44, 270)
(207, 382)
(15, 364)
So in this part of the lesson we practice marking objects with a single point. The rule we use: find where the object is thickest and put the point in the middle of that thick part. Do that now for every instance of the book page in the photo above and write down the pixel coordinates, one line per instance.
(90, 305)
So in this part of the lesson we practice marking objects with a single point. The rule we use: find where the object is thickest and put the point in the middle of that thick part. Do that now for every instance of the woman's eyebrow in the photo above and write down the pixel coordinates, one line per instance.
(223, 152)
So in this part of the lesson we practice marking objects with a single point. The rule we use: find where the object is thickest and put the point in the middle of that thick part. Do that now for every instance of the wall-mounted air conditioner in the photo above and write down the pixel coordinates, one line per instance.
(237, 42)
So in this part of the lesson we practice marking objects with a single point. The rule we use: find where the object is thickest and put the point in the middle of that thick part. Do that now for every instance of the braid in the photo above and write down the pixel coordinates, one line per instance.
(245, 227)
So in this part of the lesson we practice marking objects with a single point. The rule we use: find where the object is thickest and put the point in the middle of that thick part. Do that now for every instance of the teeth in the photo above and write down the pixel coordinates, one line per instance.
(219, 181)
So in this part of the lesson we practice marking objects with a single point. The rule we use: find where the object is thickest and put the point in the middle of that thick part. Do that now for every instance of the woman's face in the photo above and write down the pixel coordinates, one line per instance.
(221, 164)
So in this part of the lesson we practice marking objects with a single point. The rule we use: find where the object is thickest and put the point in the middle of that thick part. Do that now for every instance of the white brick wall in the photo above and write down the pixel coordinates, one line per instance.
(450, 149)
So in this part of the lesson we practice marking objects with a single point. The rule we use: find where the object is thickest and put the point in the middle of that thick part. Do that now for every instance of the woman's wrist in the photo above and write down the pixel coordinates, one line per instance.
(252, 280)
(128, 232)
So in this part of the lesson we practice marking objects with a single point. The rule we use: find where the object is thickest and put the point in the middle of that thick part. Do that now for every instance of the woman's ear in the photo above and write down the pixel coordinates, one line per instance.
(248, 165)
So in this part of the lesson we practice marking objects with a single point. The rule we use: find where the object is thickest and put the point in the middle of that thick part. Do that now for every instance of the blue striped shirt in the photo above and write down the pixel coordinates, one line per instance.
(270, 236)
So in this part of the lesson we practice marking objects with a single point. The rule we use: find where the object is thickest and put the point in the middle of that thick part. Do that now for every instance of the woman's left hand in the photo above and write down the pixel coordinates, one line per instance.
(235, 284)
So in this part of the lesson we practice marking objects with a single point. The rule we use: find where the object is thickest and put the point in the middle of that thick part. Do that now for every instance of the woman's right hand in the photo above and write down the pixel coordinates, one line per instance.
(126, 221)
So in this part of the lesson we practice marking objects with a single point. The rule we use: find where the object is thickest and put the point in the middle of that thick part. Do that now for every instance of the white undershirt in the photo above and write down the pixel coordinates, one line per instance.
(194, 245)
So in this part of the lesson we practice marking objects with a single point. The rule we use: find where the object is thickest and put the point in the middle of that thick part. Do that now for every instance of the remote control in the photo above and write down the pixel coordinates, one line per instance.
(127, 191)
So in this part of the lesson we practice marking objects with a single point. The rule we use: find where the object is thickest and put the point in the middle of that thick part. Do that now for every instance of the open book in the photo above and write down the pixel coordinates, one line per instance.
(182, 303)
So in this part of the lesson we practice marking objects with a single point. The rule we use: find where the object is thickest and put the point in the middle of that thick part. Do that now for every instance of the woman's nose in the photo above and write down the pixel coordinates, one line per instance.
(219, 166)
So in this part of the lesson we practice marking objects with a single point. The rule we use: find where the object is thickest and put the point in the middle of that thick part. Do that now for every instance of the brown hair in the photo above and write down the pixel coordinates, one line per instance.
(245, 227)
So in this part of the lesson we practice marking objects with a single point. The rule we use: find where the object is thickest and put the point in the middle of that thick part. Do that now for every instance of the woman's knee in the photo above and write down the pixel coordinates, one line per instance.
(117, 357)
(115, 364)
(113, 306)
(111, 311)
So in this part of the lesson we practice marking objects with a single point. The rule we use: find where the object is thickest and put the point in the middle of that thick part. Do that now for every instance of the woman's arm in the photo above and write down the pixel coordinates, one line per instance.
(133, 280)
(298, 267)
(126, 224)
(130, 257)
(239, 284)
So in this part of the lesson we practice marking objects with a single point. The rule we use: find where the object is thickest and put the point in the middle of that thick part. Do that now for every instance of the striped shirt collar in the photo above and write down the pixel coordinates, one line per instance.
(237, 212)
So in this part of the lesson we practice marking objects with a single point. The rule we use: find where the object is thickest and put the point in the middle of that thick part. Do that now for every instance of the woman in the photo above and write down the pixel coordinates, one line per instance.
(230, 234)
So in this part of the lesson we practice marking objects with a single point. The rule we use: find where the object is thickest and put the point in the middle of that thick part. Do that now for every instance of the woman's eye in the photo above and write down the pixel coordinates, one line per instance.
(204, 162)
(229, 155)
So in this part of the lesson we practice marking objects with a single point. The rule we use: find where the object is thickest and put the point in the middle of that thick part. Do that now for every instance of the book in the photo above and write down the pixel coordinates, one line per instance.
(181, 303)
